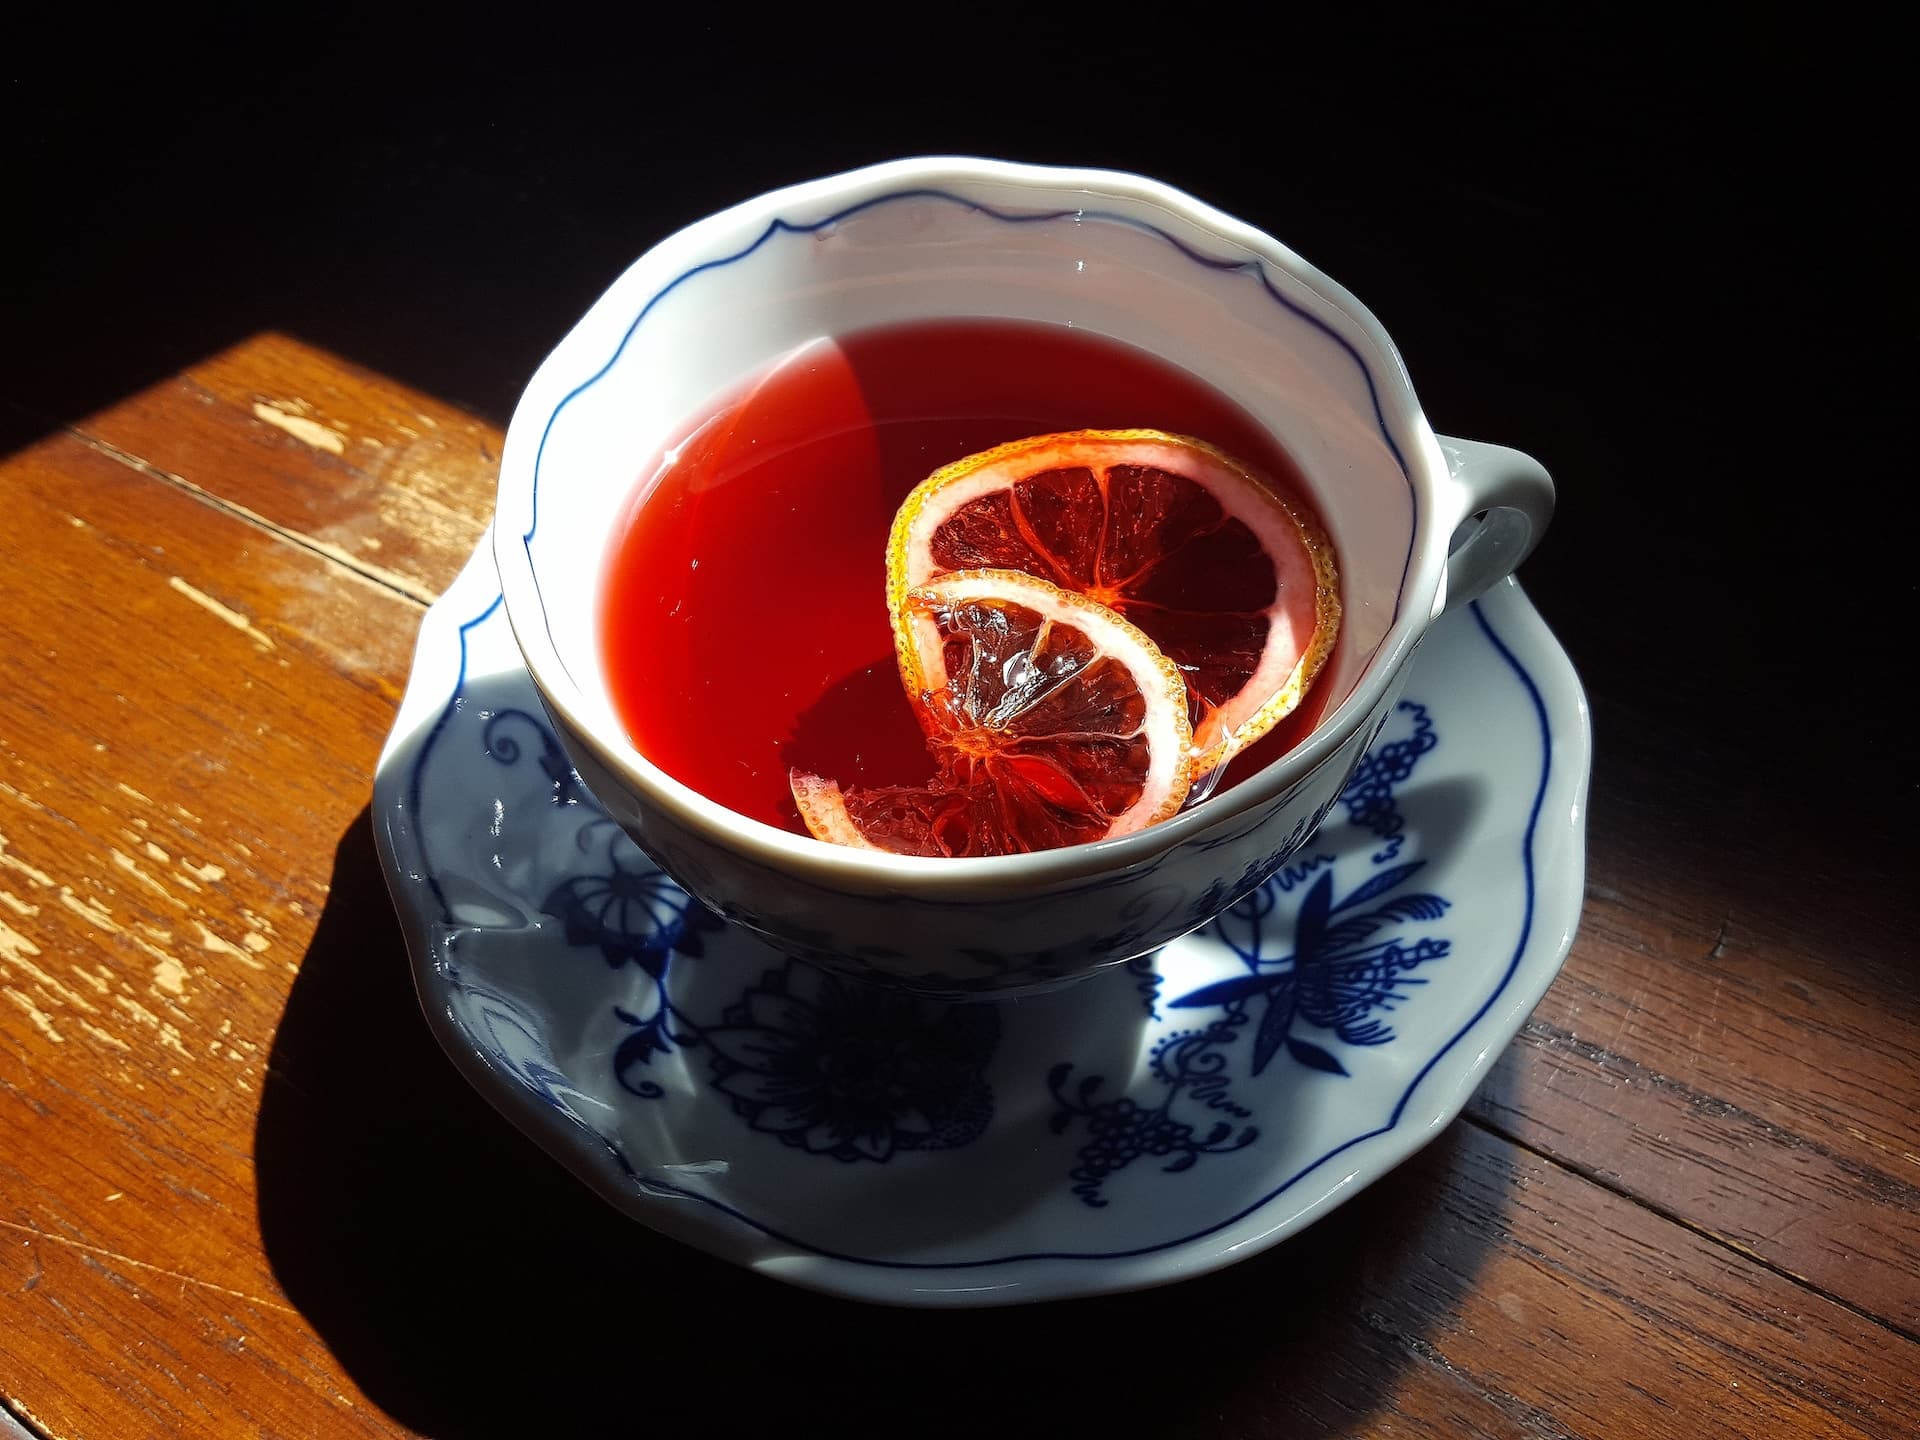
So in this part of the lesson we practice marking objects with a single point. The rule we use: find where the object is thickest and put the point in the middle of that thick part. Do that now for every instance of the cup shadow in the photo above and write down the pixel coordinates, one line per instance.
(472, 1287)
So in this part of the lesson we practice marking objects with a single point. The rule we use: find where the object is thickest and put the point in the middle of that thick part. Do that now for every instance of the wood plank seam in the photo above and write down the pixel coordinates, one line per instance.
(1882, 1187)
(407, 589)
(1734, 1247)
(1423, 1350)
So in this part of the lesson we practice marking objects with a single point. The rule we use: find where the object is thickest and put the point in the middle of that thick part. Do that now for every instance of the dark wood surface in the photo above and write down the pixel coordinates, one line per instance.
(275, 291)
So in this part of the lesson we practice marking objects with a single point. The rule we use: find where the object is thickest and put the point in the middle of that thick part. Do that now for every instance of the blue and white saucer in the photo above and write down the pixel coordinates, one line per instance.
(1149, 1124)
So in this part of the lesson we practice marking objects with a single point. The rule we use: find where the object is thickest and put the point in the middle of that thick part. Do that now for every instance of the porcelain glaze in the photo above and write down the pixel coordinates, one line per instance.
(1147, 1124)
(1115, 254)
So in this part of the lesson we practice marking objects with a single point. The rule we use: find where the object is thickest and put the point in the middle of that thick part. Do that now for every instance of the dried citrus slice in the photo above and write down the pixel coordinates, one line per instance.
(1232, 580)
(1052, 721)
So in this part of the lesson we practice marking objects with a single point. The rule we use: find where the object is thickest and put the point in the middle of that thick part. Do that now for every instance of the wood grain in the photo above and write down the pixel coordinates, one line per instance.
(117, 1347)
(1792, 1134)
(191, 721)
(1747, 1076)
(1685, 1207)
(388, 481)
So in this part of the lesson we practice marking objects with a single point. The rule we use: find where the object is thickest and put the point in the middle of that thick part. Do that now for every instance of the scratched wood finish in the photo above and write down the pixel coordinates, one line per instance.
(121, 1347)
(177, 807)
(384, 479)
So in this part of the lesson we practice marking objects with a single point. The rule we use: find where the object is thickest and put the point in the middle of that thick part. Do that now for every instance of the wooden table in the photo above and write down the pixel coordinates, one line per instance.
(1683, 1204)
(1686, 1202)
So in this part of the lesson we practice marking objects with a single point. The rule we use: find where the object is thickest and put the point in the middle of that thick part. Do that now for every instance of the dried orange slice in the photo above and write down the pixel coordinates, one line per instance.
(1231, 579)
(1052, 721)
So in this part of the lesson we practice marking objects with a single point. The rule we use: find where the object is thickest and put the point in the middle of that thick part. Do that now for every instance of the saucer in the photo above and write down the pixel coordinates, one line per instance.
(1151, 1123)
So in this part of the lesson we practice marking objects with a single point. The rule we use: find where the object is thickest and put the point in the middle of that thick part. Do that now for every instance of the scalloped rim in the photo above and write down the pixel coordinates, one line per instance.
(596, 341)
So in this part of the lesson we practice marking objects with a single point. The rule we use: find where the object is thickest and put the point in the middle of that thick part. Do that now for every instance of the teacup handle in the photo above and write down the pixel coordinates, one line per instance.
(1503, 501)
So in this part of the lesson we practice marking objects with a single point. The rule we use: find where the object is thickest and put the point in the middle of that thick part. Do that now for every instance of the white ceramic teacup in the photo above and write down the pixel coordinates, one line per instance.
(1110, 253)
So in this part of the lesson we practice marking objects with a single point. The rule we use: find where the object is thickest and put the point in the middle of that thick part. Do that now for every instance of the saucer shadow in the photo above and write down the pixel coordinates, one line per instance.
(472, 1287)
(1441, 815)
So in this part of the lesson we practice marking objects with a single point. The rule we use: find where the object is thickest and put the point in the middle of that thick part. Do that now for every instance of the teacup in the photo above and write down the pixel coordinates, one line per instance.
(1421, 525)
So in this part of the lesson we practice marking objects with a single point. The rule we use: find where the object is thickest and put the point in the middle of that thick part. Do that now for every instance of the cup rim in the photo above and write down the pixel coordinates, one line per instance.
(596, 340)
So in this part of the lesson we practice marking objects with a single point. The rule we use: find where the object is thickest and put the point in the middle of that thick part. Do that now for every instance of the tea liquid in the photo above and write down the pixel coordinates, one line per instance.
(744, 622)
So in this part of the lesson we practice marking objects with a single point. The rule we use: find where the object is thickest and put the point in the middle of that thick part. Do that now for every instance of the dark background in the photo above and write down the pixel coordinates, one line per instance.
(1667, 265)
(1664, 264)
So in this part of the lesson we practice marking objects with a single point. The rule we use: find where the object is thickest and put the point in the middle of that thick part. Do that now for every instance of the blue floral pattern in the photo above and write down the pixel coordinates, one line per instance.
(1338, 976)
(846, 1069)
(1191, 1067)
(829, 1065)
(1368, 795)
(503, 746)
(855, 1071)
(630, 911)
(1348, 963)
(473, 841)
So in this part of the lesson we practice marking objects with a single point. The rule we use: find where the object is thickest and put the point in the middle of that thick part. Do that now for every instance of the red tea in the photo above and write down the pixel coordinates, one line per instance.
(745, 627)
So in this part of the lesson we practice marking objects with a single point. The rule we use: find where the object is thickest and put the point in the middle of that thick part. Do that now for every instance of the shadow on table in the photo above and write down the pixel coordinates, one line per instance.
(470, 1286)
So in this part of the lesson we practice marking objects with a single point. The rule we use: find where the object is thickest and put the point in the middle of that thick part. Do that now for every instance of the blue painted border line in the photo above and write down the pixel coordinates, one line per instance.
(776, 227)
(426, 749)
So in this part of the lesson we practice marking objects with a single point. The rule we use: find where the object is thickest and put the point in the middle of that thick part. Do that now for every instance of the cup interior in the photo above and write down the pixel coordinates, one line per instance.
(714, 306)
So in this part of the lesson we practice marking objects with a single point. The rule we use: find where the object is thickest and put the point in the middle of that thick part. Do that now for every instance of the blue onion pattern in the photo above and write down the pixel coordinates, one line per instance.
(631, 912)
(855, 1071)
(1368, 795)
(1332, 971)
